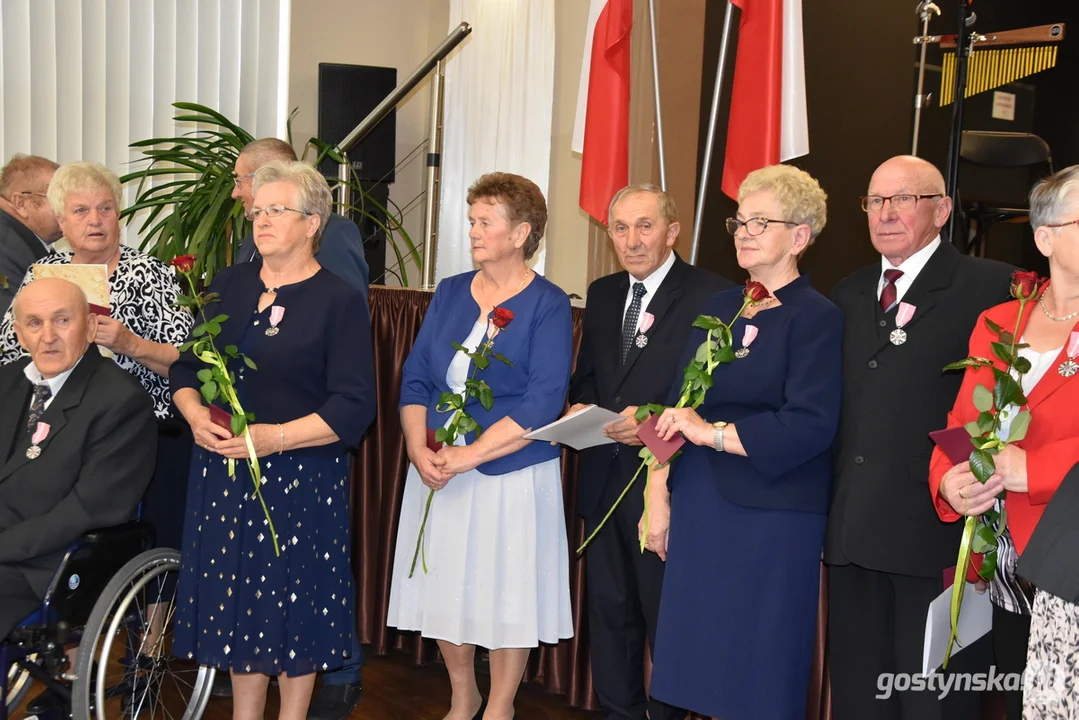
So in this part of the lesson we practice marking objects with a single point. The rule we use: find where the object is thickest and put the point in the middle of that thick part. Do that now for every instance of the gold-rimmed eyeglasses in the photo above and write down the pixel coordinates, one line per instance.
(237, 179)
(1063, 224)
(754, 226)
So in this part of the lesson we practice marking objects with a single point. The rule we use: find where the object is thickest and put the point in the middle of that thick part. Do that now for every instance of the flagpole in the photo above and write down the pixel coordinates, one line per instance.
(702, 186)
(659, 105)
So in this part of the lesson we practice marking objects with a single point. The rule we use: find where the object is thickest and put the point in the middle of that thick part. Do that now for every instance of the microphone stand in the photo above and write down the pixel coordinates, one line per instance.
(964, 46)
(926, 9)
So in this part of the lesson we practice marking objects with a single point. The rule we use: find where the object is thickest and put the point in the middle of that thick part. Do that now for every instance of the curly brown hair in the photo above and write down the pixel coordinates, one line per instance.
(523, 200)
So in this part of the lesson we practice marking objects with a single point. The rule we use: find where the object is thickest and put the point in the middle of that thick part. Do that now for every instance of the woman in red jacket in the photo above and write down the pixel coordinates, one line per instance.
(1029, 470)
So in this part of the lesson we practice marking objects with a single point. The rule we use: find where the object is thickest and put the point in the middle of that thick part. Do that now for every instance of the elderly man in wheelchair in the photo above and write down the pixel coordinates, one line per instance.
(77, 449)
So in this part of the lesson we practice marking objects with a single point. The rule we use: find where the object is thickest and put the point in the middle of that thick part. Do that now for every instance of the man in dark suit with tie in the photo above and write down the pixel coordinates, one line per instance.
(636, 326)
(907, 317)
(77, 443)
(28, 227)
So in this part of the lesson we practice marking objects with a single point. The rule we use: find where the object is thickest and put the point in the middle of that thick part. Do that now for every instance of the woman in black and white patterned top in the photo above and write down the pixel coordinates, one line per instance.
(144, 326)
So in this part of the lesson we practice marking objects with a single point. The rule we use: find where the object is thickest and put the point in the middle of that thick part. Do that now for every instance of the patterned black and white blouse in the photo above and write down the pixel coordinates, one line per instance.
(142, 295)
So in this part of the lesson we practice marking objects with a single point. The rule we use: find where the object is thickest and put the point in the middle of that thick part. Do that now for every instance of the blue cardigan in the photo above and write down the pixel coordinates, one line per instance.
(539, 343)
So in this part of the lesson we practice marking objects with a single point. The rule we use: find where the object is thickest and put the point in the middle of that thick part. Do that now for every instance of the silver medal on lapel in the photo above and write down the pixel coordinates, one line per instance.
(641, 340)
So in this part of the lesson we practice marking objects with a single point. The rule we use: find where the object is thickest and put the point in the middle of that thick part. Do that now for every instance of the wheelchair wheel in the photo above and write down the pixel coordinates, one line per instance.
(125, 666)
(18, 684)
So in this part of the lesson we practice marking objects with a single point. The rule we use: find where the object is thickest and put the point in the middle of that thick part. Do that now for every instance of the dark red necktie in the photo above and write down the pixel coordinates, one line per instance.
(887, 295)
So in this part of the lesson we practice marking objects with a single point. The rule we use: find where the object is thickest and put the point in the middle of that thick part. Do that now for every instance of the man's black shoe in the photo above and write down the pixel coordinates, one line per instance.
(335, 702)
(47, 704)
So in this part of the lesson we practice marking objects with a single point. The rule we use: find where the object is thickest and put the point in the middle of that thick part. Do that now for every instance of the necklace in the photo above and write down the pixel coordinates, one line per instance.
(1054, 318)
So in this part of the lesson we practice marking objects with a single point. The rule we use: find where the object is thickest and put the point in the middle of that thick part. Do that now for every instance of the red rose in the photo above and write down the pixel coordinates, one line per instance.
(1025, 284)
(756, 292)
(183, 263)
(502, 318)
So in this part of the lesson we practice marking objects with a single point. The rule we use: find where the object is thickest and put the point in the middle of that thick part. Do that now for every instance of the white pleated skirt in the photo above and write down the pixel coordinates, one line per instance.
(497, 560)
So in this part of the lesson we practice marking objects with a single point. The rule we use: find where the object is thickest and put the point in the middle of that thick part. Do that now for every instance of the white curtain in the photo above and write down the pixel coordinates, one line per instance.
(499, 99)
(82, 79)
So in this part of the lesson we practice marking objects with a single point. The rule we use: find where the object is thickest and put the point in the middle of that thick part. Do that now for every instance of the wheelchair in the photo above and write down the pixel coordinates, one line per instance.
(114, 597)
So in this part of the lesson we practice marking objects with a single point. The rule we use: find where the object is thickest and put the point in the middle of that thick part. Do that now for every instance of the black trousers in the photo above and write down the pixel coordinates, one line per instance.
(876, 630)
(623, 604)
(17, 599)
(1011, 635)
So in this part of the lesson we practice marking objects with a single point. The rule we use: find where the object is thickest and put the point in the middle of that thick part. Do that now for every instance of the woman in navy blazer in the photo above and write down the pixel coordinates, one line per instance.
(495, 545)
(749, 497)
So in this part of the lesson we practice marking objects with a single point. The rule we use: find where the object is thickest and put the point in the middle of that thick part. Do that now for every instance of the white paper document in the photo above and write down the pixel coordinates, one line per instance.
(975, 620)
(583, 429)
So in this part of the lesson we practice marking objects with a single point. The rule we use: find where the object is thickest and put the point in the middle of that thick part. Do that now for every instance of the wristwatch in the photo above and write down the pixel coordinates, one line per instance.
(717, 440)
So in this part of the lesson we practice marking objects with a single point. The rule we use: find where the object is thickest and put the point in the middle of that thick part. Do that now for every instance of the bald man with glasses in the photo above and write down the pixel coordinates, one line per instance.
(907, 316)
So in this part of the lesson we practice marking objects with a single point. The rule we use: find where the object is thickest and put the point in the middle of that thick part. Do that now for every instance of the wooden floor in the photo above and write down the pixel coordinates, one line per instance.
(395, 689)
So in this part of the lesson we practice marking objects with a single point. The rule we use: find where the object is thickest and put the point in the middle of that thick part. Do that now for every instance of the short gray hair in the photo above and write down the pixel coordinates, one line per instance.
(264, 150)
(82, 176)
(315, 196)
(1051, 198)
(801, 198)
(667, 210)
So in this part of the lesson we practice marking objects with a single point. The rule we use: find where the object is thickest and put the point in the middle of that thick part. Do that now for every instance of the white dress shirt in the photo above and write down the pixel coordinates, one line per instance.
(910, 267)
(651, 285)
(54, 383)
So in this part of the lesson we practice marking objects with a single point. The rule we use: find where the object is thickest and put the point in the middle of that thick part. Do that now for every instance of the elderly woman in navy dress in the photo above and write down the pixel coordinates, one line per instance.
(749, 497)
(495, 541)
(242, 608)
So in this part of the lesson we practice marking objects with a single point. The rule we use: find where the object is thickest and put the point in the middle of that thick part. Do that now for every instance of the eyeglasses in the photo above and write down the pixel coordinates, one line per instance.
(754, 226)
(900, 203)
(1065, 224)
(272, 211)
(237, 180)
(32, 192)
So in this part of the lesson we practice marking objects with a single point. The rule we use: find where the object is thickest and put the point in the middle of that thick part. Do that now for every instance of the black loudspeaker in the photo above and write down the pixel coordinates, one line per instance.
(346, 94)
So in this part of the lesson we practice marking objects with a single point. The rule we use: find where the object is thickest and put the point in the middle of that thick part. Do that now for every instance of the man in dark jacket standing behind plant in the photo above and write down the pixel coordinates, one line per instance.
(907, 316)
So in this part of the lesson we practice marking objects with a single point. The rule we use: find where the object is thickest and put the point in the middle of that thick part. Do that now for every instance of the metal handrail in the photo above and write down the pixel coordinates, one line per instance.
(434, 62)
(384, 108)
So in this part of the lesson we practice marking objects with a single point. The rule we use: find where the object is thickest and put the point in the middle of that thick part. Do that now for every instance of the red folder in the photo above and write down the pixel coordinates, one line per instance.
(99, 310)
(433, 444)
(954, 442)
(221, 418)
(664, 450)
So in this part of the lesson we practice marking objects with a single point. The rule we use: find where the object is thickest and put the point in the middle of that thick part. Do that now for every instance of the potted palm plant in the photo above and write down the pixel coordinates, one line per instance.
(184, 198)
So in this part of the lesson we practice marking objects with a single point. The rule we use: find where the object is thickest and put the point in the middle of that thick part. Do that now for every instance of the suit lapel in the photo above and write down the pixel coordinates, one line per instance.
(18, 396)
(1052, 380)
(924, 293)
(70, 396)
(666, 295)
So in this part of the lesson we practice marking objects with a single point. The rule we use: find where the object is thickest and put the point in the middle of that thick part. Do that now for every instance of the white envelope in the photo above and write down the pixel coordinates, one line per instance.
(975, 620)
(583, 429)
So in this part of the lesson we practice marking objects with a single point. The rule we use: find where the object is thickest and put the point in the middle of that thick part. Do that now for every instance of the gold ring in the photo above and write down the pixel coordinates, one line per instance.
(963, 493)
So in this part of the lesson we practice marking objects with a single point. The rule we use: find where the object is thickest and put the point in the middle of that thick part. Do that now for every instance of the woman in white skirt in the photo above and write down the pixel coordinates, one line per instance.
(493, 570)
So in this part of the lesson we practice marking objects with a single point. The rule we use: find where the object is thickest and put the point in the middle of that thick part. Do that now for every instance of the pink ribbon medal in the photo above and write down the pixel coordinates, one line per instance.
(647, 319)
(40, 434)
(747, 339)
(902, 317)
(276, 313)
(1069, 367)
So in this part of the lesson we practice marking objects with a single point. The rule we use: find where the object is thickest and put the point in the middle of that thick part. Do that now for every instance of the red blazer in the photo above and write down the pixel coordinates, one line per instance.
(1052, 441)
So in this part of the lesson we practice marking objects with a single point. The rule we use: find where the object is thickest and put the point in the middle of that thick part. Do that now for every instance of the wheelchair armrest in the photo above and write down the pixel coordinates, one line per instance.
(89, 564)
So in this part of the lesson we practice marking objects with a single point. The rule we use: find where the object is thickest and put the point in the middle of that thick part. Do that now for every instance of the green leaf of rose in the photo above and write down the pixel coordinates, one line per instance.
(993, 327)
(503, 359)
(250, 363)
(239, 423)
(205, 375)
(982, 465)
(984, 540)
(989, 566)
(706, 322)
(983, 399)
(1002, 351)
(1018, 430)
(1022, 365)
(441, 435)
(985, 422)
(209, 391)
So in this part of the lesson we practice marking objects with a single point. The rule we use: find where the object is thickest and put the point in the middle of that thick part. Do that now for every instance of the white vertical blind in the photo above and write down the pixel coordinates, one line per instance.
(82, 79)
